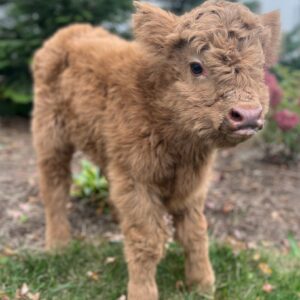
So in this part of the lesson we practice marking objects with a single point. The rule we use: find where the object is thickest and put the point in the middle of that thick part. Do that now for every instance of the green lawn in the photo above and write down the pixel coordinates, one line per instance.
(64, 276)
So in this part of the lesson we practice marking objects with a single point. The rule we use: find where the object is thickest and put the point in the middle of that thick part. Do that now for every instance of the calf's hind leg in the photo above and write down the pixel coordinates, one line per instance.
(54, 158)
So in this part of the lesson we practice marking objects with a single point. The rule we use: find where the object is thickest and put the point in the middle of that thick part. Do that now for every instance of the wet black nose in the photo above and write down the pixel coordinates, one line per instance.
(245, 117)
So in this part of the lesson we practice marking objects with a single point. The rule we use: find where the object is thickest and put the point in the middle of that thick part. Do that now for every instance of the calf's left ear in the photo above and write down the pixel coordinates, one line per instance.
(271, 37)
(152, 26)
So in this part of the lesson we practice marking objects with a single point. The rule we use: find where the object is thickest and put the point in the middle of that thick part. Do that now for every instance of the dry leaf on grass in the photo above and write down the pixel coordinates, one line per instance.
(33, 296)
(110, 260)
(265, 268)
(92, 275)
(251, 245)
(236, 245)
(7, 251)
(256, 257)
(24, 289)
(24, 294)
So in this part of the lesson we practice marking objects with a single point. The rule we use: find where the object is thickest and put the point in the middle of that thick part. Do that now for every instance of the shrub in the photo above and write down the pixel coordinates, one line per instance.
(291, 48)
(286, 120)
(24, 25)
(282, 132)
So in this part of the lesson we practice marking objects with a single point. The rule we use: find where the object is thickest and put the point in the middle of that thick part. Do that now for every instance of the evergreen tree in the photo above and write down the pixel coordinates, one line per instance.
(25, 24)
(180, 6)
(291, 48)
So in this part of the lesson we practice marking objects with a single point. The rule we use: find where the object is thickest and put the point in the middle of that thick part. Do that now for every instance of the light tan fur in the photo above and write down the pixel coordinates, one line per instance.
(137, 111)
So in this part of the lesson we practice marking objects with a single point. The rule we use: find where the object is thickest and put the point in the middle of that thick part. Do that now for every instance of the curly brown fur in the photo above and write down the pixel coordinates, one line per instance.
(152, 126)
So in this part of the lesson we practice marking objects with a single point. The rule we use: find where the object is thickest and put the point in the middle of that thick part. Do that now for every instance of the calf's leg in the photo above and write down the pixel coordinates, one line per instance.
(142, 223)
(54, 157)
(191, 232)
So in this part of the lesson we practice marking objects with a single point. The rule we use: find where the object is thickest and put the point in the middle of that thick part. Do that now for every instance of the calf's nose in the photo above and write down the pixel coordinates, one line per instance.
(242, 117)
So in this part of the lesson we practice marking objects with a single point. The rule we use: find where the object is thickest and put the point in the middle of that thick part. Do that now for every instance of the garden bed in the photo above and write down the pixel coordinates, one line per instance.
(250, 203)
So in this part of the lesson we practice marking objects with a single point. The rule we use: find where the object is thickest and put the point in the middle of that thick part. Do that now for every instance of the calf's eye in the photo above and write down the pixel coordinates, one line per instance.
(196, 68)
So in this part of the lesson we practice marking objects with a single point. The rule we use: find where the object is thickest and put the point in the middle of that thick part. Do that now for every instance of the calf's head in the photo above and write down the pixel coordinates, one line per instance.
(214, 59)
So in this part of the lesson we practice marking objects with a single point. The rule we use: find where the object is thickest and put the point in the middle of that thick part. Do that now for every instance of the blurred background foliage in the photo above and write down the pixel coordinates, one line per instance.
(282, 130)
(181, 6)
(291, 48)
(24, 25)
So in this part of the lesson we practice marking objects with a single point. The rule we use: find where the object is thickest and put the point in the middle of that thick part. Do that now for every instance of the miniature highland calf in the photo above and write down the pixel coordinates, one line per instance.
(151, 114)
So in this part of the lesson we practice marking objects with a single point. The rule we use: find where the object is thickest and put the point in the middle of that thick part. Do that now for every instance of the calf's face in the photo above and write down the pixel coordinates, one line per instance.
(216, 55)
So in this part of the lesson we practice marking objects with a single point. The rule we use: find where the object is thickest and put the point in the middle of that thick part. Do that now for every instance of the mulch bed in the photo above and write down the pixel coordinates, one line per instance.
(250, 203)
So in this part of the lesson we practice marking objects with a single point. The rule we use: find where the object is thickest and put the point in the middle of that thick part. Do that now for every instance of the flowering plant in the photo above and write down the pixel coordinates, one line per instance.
(282, 132)
(286, 119)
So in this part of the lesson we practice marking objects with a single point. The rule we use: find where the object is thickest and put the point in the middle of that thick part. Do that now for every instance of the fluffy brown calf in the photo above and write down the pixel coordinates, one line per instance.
(151, 113)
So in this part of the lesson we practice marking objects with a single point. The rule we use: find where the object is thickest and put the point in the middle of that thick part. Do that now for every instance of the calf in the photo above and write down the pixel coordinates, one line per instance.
(151, 113)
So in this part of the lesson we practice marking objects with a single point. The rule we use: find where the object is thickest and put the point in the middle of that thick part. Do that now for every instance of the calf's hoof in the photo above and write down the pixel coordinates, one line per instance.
(205, 292)
(204, 288)
(136, 292)
(58, 239)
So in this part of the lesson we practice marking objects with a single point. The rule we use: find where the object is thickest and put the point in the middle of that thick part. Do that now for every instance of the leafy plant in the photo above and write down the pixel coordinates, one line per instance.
(90, 185)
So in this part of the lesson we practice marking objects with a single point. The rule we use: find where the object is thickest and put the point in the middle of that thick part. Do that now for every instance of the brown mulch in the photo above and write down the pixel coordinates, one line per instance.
(250, 202)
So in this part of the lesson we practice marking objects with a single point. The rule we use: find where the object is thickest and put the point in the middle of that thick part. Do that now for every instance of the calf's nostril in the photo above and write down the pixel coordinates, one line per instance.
(245, 118)
(236, 116)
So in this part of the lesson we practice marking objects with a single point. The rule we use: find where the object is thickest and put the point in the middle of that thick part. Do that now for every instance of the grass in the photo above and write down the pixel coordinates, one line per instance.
(64, 276)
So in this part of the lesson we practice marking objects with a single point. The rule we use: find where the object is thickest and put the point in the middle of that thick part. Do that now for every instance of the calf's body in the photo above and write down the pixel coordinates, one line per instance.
(127, 106)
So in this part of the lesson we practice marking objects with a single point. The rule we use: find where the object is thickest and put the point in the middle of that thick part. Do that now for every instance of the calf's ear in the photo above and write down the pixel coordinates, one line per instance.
(271, 37)
(152, 26)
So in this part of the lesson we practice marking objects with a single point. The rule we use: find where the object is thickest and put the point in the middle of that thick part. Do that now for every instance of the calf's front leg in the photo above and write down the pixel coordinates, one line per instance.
(191, 232)
(142, 223)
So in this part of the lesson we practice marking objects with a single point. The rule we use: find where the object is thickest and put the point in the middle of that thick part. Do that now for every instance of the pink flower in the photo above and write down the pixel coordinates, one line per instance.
(274, 88)
(286, 119)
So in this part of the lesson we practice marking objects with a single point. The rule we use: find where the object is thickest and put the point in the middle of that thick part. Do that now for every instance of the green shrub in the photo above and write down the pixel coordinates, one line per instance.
(291, 48)
(24, 25)
(181, 6)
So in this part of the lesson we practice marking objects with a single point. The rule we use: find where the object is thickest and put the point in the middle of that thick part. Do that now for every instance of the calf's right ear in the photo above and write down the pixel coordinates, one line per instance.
(271, 37)
(152, 26)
